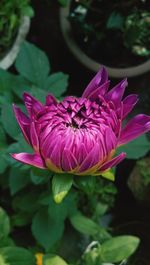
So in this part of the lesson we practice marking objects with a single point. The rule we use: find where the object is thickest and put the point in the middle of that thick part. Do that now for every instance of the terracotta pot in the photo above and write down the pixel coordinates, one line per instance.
(10, 57)
(86, 60)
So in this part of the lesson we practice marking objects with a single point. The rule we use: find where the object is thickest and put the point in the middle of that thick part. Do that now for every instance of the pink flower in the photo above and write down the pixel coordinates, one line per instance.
(80, 135)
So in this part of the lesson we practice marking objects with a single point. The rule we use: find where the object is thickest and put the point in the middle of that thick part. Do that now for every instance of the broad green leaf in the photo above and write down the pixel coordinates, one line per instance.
(46, 230)
(27, 202)
(32, 63)
(9, 122)
(137, 148)
(118, 248)
(84, 225)
(4, 224)
(18, 179)
(39, 176)
(56, 84)
(16, 256)
(20, 85)
(61, 184)
(53, 260)
(5, 81)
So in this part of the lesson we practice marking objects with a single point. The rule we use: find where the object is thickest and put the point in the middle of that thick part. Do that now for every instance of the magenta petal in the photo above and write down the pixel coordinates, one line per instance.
(113, 162)
(68, 160)
(116, 93)
(138, 125)
(129, 103)
(34, 137)
(23, 122)
(33, 160)
(91, 159)
(101, 90)
(33, 106)
(50, 99)
(98, 80)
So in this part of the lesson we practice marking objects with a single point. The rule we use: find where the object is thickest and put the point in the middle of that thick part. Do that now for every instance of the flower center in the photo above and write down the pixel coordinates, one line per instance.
(78, 113)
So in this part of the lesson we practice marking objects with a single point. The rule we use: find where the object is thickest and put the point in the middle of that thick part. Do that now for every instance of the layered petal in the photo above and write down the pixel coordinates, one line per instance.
(30, 159)
(33, 106)
(50, 99)
(24, 123)
(128, 104)
(115, 94)
(101, 90)
(99, 79)
(113, 162)
(138, 125)
(34, 137)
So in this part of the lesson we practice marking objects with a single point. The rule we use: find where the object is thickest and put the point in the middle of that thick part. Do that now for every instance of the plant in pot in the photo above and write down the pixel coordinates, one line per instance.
(112, 33)
(14, 25)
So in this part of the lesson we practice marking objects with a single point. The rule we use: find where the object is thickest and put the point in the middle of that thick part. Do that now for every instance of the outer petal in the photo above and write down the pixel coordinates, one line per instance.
(100, 90)
(138, 125)
(33, 106)
(113, 162)
(34, 137)
(129, 103)
(33, 160)
(100, 78)
(50, 99)
(24, 123)
(115, 94)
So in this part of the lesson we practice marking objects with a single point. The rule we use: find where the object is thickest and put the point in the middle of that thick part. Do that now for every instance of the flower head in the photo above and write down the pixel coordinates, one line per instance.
(80, 135)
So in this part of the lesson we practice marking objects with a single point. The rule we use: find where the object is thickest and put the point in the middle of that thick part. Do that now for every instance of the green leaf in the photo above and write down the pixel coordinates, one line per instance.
(84, 225)
(137, 148)
(18, 179)
(115, 21)
(56, 84)
(5, 81)
(32, 63)
(4, 224)
(39, 94)
(108, 175)
(118, 248)
(16, 255)
(9, 122)
(86, 183)
(19, 85)
(28, 11)
(53, 260)
(46, 230)
(63, 2)
(39, 176)
(27, 202)
(61, 184)
(6, 242)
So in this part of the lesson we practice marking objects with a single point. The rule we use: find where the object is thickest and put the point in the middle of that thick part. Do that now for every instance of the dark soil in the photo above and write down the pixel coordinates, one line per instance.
(103, 45)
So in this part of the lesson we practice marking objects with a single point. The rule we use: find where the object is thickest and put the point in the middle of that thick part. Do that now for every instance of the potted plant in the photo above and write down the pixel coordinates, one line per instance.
(14, 25)
(113, 33)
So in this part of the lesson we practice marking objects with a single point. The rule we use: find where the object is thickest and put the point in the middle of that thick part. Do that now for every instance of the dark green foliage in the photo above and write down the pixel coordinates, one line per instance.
(11, 13)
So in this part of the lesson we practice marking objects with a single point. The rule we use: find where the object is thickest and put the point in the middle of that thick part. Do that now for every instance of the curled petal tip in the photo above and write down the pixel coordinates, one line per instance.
(29, 159)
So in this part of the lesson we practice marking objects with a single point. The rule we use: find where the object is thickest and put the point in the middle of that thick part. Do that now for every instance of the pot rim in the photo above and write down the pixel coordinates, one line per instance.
(86, 60)
(10, 57)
